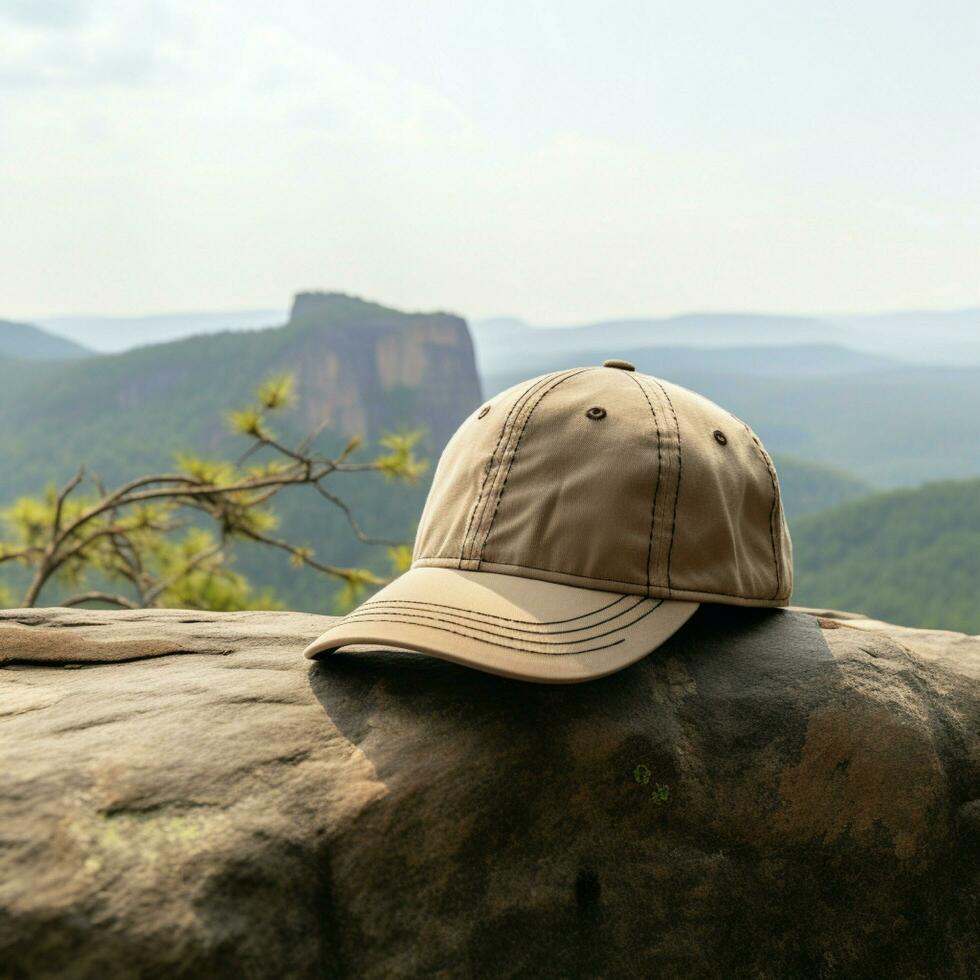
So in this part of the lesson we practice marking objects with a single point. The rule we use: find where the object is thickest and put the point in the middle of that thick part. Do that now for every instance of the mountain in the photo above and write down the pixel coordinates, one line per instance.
(360, 368)
(840, 423)
(502, 344)
(909, 556)
(27, 342)
(811, 487)
(926, 337)
(112, 334)
(786, 361)
(922, 336)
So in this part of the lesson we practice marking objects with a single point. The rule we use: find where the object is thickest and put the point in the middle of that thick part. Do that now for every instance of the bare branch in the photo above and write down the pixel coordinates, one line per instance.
(151, 595)
(267, 440)
(351, 519)
(300, 554)
(124, 495)
(96, 596)
(60, 503)
(80, 546)
(307, 444)
(130, 564)
(21, 553)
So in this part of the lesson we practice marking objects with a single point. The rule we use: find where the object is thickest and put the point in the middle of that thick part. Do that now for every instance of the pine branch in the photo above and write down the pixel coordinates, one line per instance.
(109, 535)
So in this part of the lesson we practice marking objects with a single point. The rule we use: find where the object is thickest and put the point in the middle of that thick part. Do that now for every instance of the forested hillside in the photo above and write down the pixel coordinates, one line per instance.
(908, 556)
(360, 368)
(810, 487)
(23, 341)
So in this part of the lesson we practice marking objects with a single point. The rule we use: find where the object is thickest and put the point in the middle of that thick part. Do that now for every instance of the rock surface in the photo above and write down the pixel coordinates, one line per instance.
(771, 794)
(366, 369)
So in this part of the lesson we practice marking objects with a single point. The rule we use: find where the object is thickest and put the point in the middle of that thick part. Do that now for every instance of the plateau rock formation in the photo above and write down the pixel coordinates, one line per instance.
(361, 369)
(364, 367)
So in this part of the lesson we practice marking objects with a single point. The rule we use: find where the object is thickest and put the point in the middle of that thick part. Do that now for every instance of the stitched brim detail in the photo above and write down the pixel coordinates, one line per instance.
(516, 627)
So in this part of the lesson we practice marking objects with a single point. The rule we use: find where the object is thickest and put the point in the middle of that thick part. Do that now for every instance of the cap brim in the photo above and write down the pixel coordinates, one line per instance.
(504, 624)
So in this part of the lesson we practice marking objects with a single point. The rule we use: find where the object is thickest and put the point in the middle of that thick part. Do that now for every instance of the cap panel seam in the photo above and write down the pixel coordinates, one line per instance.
(677, 489)
(536, 568)
(486, 476)
(517, 445)
(772, 508)
(656, 492)
(519, 401)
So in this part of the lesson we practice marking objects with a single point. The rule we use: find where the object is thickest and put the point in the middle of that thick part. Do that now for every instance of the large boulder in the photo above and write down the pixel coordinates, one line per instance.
(771, 794)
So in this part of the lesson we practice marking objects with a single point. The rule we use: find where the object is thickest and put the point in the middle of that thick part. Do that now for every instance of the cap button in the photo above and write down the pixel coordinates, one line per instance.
(622, 365)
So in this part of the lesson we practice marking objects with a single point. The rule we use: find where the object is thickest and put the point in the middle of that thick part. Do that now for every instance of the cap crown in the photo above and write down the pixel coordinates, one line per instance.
(608, 479)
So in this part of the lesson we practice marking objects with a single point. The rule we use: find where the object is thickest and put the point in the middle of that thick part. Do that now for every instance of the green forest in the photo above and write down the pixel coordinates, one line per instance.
(907, 556)
(910, 555)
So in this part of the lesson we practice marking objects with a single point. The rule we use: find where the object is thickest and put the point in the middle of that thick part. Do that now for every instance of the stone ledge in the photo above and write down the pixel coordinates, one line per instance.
(761, 797)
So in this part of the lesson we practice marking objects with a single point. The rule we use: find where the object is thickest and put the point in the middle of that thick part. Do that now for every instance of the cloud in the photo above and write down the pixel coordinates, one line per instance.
(68, 43)
(323, 91)
(51, 14)
(219, 63)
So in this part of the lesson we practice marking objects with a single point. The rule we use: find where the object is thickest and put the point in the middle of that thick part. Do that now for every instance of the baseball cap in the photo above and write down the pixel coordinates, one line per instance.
(574, 523)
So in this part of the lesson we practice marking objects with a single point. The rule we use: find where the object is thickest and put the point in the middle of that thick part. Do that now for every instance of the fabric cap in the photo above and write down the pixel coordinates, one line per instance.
(574, 523)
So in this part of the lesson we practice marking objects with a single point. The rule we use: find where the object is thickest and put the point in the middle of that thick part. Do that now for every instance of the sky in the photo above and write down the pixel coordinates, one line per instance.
(558, 160)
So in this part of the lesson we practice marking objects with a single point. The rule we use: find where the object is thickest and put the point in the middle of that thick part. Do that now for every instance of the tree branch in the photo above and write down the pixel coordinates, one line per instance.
(96, 596)
(301, 555)
(115, 532)
(151, 595)
(351, 519)
(60, 503)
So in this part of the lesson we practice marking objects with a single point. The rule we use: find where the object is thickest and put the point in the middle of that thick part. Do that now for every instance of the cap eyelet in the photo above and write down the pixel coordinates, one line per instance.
(595, 413)
(483, 411)
(720, 437)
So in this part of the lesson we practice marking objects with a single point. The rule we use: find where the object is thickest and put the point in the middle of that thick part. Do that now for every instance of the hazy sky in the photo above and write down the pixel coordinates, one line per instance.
(558, 160)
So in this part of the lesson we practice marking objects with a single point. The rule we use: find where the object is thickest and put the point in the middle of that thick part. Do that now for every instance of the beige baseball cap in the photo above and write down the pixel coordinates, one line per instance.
(574, 523)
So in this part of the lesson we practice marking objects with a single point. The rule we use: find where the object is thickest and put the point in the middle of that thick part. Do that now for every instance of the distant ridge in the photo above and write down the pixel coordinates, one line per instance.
(946, 338)
(787, 361)
(113, 334)
(30, 343)
(503, 342)
(938, 337)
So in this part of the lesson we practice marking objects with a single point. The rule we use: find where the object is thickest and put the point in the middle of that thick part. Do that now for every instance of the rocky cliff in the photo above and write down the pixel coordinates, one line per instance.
(364, 367)
(361, 368)
(772, 794)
